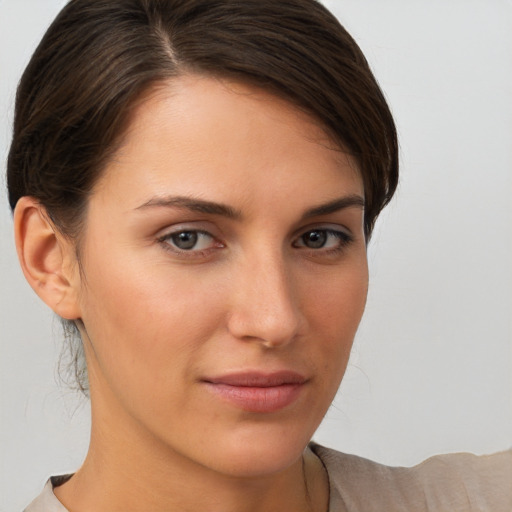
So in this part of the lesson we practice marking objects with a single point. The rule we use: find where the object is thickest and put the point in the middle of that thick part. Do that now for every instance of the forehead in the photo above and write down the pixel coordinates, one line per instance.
(219, 136)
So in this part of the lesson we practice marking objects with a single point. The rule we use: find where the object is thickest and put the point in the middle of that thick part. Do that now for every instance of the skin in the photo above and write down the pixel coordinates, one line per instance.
(253, 294)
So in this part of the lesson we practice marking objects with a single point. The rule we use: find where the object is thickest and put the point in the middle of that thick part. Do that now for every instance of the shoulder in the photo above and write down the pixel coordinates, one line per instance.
(456, 482)
(47, 501)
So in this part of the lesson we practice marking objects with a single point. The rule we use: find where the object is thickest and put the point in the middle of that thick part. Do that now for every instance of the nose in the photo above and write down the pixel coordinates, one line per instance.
(265, 306)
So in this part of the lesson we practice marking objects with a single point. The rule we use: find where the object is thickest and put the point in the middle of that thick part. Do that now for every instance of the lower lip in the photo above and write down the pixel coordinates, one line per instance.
(257, 399)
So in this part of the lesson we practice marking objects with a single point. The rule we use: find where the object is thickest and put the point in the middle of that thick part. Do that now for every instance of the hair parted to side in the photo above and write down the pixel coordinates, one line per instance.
(98, 57)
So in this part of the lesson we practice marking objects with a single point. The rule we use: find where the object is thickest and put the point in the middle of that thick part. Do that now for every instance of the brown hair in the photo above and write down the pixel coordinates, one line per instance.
(99, 56)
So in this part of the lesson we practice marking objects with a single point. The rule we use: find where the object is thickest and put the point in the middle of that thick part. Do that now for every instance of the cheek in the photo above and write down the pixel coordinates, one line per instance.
(337, 299)
(148, 332)
(335, 306)
(146, 321)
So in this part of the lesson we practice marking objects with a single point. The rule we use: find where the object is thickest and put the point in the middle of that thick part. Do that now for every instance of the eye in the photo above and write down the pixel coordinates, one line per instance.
(329, 239)
(189, 241)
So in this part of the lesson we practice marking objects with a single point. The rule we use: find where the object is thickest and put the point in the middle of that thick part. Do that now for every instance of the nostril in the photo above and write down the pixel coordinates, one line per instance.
(269, 328)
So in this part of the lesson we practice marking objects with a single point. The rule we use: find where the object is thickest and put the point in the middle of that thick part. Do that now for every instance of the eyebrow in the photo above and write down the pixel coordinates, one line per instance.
(192, 204)
(210, 207)
(334, 206)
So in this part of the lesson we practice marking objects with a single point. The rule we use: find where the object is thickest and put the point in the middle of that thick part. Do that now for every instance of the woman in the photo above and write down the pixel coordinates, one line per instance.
(194, 189)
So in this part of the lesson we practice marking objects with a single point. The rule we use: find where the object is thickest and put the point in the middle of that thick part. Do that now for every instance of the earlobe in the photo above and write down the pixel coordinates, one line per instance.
(47, 258)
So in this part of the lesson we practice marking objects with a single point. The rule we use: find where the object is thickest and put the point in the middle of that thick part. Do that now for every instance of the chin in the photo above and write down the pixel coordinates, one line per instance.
(257, 454)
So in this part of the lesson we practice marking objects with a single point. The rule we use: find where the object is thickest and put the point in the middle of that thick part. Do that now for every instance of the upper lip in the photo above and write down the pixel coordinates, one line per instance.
(258, 379)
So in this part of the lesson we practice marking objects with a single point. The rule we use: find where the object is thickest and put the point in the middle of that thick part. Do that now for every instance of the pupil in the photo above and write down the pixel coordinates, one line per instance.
(315, 239)
(185, 240)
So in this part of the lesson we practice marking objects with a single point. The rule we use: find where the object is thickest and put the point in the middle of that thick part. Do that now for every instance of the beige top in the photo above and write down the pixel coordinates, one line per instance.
(446, 483)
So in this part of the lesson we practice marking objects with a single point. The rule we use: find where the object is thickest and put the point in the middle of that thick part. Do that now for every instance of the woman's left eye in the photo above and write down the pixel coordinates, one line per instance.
(323, 239)
(189, 241)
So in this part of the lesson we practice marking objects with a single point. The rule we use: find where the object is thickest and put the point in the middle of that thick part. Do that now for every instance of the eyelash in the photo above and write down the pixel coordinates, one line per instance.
(166, 241)
(343, 238)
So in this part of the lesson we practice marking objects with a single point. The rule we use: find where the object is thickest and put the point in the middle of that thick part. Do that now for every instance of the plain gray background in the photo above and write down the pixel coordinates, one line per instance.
(431, 370)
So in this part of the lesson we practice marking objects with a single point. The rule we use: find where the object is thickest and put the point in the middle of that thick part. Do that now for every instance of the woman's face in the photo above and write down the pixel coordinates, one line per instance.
(223, 278)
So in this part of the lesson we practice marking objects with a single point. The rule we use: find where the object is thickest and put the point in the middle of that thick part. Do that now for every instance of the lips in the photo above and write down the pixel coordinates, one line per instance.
(257, 392)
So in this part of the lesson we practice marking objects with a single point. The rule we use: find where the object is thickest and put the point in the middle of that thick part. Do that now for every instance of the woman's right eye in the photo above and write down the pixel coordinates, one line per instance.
(193, 241)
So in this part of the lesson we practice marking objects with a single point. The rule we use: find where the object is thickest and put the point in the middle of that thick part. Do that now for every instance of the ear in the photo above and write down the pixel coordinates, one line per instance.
(47, 258)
